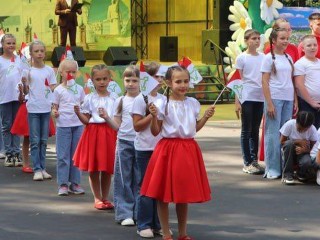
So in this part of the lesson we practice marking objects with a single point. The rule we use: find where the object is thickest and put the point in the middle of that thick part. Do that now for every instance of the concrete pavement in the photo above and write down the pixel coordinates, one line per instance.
(243, 206)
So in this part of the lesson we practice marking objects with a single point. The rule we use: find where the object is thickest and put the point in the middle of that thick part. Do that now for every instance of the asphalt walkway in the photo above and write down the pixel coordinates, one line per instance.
(243, 206)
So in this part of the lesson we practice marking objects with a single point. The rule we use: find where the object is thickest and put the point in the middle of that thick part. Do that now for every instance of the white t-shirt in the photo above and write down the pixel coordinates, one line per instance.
(250, 66)
(144, 140)
(289, 130)
(66, 98)
(316, 146)
(280, 84)
(93, 101)
(181, 120)
(10, 76)
(310, 70)
(126, 130)
(40, 94)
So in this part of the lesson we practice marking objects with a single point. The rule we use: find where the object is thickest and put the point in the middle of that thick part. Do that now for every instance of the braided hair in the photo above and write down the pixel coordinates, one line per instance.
(273, 37)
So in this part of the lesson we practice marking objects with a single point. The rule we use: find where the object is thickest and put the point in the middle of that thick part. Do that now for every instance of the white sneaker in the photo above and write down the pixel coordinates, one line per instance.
(38, 176)
(128, 222)
(145, 233)
(318, 177)
(46, 175)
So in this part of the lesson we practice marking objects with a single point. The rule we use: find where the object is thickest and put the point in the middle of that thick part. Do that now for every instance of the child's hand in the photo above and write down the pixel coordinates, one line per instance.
(55, 113)
(102, 113)
(209, 112)
(237, 109)
(153, 110)
(24, 80)
(76, 109)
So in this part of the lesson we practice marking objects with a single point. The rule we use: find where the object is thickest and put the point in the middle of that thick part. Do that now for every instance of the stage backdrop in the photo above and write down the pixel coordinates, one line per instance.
(103, 23)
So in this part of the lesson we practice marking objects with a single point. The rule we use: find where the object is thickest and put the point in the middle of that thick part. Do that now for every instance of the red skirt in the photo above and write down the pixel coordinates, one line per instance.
(176, 173)
(96, 148)
(20, 125)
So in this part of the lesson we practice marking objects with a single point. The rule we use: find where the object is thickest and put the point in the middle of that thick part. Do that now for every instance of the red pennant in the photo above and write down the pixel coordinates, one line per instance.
(69, 77)
(35, 37)
(142, 69)
(23, 45)
(235, 76)
(184, 62)
(12, 59)
(46, 83)
(63, 57)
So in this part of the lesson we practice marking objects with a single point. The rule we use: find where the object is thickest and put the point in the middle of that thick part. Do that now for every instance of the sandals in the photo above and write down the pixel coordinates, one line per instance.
(108, 204)
(100, 205)
(185, 238)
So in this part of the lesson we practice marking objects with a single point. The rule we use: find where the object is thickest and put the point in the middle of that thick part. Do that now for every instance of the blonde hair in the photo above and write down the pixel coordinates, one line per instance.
(100, 67)
(65, 62)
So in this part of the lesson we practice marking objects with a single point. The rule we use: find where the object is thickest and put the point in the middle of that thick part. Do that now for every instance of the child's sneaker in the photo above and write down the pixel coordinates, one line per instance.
(76, 189)
(288, 180)
(38, 176)
(251, 169)
(145, 233)
(18, 160)
(63, 190)
(8, 162)
(127, 222)
(46, 175)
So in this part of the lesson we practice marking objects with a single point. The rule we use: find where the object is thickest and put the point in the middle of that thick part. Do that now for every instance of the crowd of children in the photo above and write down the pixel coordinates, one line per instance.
(147, 141)
(290, 90)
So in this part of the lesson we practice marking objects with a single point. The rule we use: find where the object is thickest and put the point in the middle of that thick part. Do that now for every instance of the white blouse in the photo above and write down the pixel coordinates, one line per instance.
(93, 101)
(181, 118)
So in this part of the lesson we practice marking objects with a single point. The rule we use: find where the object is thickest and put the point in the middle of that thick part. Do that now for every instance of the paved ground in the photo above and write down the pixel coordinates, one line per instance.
(243, 206)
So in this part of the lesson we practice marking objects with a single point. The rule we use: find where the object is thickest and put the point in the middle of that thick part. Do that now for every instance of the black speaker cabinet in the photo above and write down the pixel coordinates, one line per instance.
(119, 56)
(77, 53)
(169, 49)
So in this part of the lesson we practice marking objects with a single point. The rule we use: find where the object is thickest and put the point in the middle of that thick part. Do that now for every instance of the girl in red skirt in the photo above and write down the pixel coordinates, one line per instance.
(95, 152)
(176, 171)
(20, 127)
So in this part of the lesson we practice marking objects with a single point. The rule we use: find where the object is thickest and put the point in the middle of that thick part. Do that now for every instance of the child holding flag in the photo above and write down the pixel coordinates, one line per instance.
(39, 85)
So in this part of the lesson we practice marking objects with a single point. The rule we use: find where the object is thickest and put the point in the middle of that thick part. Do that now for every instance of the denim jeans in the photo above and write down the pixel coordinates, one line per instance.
(290, 158)
(67, 139)
(251, 115)
(8, 113)
(1, 140)
(304, 106)
(126, 176)
(147, 207)
(272, 146)
(38, 136)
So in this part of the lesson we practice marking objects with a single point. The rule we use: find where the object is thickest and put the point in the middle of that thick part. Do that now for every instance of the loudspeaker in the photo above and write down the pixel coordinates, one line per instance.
(119, 56)
(77, 53)
(169, 49)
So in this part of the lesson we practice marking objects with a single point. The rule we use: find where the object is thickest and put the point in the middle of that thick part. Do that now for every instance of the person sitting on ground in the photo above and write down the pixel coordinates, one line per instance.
(297, 139)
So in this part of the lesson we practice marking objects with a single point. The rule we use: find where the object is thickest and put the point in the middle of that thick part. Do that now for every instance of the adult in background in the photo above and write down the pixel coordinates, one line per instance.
(67, 20)
(314, 23)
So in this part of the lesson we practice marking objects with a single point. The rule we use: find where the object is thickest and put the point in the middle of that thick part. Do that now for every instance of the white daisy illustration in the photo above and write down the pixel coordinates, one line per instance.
(242, 22)
(269, 10)
(233, 50)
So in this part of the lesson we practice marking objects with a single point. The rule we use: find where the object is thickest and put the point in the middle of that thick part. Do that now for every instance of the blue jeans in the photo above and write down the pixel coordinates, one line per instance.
(67, 139)
(251, 115)
(126, 176)
(272, 136)
(8, 113)
(1, 140)
(38, 136)
(147, 207)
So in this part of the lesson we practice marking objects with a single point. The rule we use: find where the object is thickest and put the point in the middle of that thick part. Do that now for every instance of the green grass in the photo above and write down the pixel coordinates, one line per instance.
(223, 112)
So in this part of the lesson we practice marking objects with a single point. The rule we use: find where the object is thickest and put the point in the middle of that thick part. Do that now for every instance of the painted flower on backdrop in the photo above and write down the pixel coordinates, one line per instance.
(242, 22)
(232, 50)
(269, 10)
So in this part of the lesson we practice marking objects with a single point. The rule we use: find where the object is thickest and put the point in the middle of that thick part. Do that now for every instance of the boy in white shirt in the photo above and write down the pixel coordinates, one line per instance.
(297, 139)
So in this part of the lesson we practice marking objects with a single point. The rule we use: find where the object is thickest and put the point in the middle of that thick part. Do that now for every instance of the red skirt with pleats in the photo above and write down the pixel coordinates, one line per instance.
(20, 125)
(96, 148)
(176, 173)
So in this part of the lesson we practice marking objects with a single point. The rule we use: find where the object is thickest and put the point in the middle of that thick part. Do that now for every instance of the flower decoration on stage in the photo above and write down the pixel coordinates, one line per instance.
(233, 50)
(264, 39)
(269, 10)
(242, 22)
